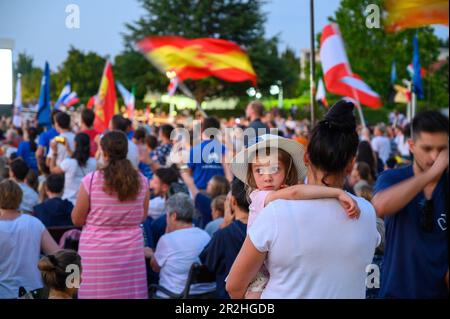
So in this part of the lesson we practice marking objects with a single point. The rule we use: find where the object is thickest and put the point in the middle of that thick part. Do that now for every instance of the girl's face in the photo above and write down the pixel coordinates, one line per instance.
(269, 173)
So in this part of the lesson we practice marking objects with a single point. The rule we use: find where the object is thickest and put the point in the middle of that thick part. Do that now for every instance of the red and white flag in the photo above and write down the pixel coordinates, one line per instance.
(172, 86)
(339, 79)
(321, 95)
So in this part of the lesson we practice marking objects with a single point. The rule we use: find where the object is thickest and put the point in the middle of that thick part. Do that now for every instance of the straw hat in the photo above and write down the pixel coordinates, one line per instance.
(239, 166)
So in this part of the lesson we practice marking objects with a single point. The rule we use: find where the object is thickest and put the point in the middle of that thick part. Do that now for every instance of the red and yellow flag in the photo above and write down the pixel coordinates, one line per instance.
(405, 14)
(106, 102)
(198, 58)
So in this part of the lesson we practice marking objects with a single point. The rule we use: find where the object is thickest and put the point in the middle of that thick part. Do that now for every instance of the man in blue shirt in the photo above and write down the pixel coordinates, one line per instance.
(205, 158)
(413, 201)
(46, 137)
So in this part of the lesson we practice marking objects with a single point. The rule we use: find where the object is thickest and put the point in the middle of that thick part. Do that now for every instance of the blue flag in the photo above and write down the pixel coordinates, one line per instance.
(417, 77)
(393, 73)
(44, 112)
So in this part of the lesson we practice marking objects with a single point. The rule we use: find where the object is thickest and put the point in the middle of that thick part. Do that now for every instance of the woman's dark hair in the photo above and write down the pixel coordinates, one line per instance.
(32, 134)
(63, 120)
(120, 175)
(238, 191)
(140, 134)
(365, 154)
(54, 268)
(82, 148)
(334, 141)
(32, 179)
(151, 142)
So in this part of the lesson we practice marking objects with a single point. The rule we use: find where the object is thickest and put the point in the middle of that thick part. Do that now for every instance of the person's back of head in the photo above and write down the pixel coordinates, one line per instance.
(366, 192)
(334, 141)
(53, 116)
(55, 183)
(63, 120)
(181, 204)
(239, 193)
(88, 117)
(32, 179)
(82, 149)
(120, 176)
(19, 169)
(166, 130)
(55, 274)
(167, 175)
(210, 122)
(364, 172)
(429, 122)
(391, 163)
(118, 123)
(219, 186)
(10, 195)
(139, 135)
(218, 206)
(151, 141)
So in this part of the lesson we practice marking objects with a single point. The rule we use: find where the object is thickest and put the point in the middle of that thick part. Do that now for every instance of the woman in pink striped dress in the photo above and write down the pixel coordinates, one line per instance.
(111, 204)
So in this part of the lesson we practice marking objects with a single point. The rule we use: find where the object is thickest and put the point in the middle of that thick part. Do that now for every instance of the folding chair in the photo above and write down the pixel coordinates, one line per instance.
(198, 274)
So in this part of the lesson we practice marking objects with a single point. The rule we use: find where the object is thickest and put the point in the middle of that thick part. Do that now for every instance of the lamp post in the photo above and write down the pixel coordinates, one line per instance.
(278, 90)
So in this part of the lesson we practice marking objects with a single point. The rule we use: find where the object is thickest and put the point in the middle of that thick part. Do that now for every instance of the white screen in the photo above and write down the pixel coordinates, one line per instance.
(6, 85)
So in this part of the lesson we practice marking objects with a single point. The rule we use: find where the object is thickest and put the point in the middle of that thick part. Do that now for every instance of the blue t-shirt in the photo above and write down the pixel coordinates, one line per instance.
(203, 205)
(29, 156)
(415, 262)
(46, 137)
(205, 162)
(221, 251)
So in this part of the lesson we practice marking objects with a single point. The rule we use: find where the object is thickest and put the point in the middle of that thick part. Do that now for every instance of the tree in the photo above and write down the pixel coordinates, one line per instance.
(241, 21)
(84, 71)
(30, 77)
(372, 51)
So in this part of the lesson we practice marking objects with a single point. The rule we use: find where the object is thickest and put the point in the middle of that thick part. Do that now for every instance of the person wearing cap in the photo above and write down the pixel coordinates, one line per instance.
(312, 249)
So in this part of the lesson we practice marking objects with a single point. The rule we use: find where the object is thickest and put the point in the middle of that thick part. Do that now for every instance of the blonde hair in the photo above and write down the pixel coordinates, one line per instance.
(291, 177)
(218, 204)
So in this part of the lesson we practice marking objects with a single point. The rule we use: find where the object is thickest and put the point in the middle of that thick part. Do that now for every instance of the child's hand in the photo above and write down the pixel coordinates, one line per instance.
(350, 205)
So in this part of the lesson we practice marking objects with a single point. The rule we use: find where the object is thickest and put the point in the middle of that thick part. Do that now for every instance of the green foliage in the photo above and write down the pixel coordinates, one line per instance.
(241, 21)
(372, 51)
(83, 70)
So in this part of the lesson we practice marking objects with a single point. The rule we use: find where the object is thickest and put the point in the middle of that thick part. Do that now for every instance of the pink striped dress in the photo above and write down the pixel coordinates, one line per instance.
(112, 245)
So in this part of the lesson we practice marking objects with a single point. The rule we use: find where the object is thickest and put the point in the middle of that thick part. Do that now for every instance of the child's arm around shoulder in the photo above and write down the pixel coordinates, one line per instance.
(304, 191)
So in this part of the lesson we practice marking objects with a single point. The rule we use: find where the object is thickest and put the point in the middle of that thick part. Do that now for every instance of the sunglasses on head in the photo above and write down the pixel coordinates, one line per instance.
(426, 216)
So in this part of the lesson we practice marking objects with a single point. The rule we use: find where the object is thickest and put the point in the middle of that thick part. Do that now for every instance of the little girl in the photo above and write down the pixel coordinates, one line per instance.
(272, 169)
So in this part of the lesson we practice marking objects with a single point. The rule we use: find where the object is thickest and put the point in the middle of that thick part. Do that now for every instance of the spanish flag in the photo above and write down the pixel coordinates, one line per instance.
(106, 102)
(198, 58)
(405, 14)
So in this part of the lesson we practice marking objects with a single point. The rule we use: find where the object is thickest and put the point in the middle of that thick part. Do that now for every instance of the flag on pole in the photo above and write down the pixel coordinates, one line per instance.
(106, 103)
(198, 58)
(321, 94)
(71, 99)
(173, 85)
(339, 78)
(43, 113)
(393, 73)
(17, 117)
(63, 95)
(128, 99)
(91, 102)
(405, 14)
(417, 76)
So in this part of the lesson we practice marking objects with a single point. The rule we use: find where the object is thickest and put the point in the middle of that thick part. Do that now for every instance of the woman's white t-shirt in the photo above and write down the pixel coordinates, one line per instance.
(314, 249)
(73, 174)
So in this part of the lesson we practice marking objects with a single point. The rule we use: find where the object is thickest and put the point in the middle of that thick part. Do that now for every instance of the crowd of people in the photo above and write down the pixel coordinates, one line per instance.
(272, 206)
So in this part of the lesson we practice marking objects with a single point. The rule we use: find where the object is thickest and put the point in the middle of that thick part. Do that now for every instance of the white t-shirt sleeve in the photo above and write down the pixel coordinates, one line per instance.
(264, 229)
(66, 164)
(374, 145)
(162, 251)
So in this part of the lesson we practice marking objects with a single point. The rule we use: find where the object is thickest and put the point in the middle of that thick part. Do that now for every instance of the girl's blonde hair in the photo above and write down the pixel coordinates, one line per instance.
(284, 157)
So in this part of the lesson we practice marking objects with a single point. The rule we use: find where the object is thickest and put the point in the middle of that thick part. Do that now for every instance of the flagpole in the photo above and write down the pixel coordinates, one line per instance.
(312, 62)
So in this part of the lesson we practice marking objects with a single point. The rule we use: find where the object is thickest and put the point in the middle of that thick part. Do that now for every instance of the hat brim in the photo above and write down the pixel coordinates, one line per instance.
(241, 161)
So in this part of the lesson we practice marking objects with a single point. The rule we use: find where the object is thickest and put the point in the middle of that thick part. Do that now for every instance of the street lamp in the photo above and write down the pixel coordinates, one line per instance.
(277, 89)
(251, 92)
